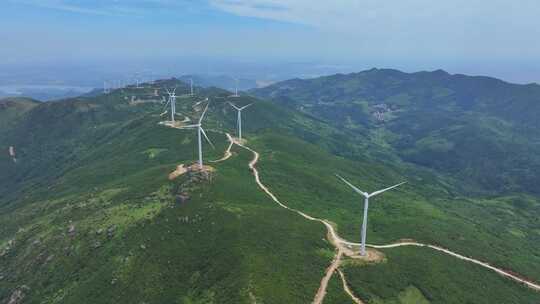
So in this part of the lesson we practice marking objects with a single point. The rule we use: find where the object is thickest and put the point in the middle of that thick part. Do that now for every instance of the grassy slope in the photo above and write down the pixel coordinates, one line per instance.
(439, 278)
(12, 109)
(236, 242)
(117, 178)
(421, 211)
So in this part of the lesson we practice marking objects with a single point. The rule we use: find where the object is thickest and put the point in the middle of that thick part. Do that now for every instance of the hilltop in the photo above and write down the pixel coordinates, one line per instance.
(13, 108)
(89, 214)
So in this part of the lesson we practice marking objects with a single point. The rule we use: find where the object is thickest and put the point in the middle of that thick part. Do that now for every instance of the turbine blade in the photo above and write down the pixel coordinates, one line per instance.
(166, 105)
(189, 127)
(244, 107)
(232, 105)
(352, 186)
(386, 189)
(208, 139)
(204, 113)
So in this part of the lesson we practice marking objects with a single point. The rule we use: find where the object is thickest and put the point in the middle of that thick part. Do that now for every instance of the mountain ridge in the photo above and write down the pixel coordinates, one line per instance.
(428, 118)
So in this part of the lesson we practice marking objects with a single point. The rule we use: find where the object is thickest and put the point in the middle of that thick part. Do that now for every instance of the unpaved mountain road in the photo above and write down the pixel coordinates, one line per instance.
(342, 245)
(504, 273)
(227, 153)
(321, 293)
(347, 289)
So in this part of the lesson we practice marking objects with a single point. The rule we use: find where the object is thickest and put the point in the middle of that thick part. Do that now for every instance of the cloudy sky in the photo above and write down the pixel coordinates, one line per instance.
(497, 37)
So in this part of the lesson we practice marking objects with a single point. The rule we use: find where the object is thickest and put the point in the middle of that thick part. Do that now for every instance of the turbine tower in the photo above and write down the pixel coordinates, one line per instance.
(366, 206)
(191, 87)
(200, 133)
(239, 119)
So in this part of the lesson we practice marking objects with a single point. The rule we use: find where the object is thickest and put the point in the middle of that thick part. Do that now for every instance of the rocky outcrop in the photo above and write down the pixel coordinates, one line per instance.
(17, 296)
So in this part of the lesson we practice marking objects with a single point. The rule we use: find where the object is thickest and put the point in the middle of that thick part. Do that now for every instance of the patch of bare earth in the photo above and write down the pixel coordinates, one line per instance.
(180, 170)
(175, 124)
(372, 255)
(237, 140)
(195, 168)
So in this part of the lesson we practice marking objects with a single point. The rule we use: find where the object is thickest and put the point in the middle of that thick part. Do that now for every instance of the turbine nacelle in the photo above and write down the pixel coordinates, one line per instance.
(366, 194)
(240, 108)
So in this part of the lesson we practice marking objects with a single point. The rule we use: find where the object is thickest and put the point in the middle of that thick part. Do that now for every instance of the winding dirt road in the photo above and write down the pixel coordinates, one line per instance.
(461, 257)
(227, 153)
(321, 293)
(333, 237)
(347, 289)
(343, 245)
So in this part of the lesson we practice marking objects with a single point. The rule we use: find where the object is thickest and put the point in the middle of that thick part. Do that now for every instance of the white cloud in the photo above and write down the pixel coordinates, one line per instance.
(474, 27)
(107, 7)
(357, 14)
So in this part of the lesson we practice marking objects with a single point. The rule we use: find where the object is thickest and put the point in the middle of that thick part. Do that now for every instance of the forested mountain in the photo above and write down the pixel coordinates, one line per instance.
(89, 212)
(483, 132)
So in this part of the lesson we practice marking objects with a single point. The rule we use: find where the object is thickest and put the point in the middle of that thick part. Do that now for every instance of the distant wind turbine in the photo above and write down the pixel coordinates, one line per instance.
(200, 133)
(239, 119)
(366, 206)
(236, 88)
(191, 87)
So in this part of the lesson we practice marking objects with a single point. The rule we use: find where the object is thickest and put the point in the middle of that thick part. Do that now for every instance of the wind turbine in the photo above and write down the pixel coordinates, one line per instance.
(200, 133)
(239, 119)
(191, 87)
(172, 102)
(366, 206)
(236, 89)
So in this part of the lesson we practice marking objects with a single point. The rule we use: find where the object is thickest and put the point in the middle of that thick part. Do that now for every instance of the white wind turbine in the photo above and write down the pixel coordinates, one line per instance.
(191, 87)
(172, 102)
(366, 206)
(200, 133)
(239, 119)
(236, 88)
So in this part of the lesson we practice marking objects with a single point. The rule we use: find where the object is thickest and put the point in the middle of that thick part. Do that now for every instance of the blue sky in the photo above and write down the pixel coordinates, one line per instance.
(496, 37)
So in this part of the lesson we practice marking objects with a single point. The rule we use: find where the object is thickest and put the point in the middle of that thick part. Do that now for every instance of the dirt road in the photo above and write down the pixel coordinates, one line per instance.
(321, 293)
(343, 245)
(227, 153)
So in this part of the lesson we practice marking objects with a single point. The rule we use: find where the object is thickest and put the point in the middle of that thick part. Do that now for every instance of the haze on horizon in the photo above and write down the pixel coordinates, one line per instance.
(264, 38)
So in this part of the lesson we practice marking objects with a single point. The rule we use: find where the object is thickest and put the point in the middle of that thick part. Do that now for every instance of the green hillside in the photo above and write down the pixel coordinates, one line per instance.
(482, 132)
(13, 108)
(89, 215)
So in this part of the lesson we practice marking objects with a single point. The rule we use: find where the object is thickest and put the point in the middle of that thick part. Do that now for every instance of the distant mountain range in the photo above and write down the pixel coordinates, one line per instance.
(222, 81)
(43, 92)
